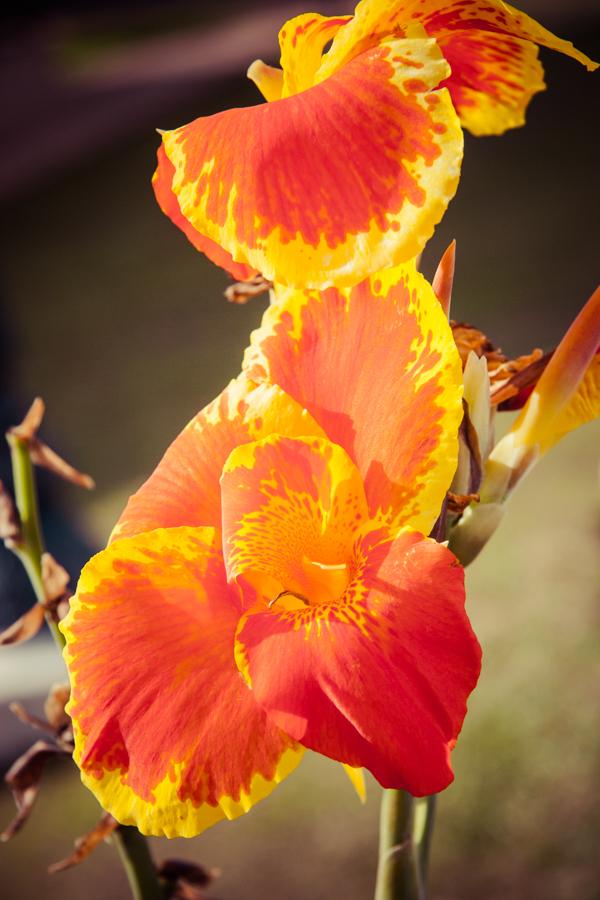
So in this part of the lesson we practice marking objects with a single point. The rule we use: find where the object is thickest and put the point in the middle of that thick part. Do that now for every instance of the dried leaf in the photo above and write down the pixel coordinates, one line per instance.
(23, 778)
(55, 579)
(501, 368)
(24, 716)
(44, 456)
(514, 391)
(185, 880)
(41, 454)
(86, 844)
(54, 707)
(10, 527)
(31, 423)
(24, 628)
(243, 291)
(457, 503)
(468, 338)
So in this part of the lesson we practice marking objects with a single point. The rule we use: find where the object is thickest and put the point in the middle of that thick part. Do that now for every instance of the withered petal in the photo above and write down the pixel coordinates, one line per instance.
(24, 628)
(23, 778)
(86, 844)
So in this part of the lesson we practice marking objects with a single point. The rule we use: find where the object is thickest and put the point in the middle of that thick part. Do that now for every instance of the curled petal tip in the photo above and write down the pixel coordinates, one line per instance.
(267, 79)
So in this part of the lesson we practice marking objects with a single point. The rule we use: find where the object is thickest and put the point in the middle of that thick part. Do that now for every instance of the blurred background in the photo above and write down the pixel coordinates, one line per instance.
(108, 313)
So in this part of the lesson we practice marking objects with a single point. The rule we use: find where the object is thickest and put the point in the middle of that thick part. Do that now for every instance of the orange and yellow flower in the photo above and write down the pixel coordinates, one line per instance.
(270, 588)
(354, 158)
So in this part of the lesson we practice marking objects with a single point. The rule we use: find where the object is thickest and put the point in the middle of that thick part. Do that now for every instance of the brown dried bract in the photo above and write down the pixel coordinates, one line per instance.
(457, 503)
(33, 419)
(24, 628)
(23, 778)
(513, 391)
(470, 339)
(55, 579)
(57, 722)
(10, 527)
(54, 707)
(184, 880)
(243, 291)
(86, 844)
(41, 454)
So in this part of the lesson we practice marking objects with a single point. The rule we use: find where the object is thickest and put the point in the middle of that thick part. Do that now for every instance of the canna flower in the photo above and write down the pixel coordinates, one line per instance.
(338, 177)
(555, 393)
(269, 589)
(354, 158)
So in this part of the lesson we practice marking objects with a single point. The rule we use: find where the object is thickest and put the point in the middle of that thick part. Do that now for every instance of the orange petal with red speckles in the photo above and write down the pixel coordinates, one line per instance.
(330, 184)
(493, 79)
(381, 375)
(184, 487)
(167, 735)
(381, 677)
(490, 47)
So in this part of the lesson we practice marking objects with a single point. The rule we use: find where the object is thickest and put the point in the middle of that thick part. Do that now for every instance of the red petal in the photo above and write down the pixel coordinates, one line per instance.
(381, 678)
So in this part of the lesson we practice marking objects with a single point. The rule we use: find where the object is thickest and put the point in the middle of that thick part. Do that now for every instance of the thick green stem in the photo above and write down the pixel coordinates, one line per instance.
(398, 870)
(137, 862)
(132, 846)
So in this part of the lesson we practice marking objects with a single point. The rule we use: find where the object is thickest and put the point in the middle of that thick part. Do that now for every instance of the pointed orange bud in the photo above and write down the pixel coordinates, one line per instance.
(444, 278)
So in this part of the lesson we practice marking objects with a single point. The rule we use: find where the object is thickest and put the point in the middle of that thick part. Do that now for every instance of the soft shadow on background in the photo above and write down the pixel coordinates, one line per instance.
(109, 314)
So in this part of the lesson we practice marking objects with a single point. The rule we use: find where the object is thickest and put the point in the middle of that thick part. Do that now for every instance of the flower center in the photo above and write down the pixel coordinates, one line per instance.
(314, 583)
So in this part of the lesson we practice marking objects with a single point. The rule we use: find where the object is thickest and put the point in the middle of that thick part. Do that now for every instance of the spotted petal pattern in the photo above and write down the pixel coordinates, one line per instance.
(381, 375)
(490, 45)
(329, 184)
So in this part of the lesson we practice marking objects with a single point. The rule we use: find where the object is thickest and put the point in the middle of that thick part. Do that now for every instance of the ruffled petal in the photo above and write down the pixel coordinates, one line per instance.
(184, 487)
(162, 182)
(379, 679)
(493, 79)
(332, 183)
(490, 47)
(381, 374)
(167, 735)
(292, 508)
